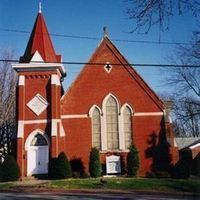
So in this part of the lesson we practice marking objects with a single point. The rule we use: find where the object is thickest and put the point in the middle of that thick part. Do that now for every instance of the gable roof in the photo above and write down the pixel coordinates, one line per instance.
(40, 41)
(187, 142)
(121, 62)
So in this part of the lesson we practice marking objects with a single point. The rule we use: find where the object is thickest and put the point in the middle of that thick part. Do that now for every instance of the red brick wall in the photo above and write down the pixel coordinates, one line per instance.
(37, 82)
(147, 134)
(78, 139)
(91, 87)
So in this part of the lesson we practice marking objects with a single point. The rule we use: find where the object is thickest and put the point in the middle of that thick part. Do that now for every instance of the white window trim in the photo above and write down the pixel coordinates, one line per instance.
(90, 115)
(92, 109)
(122, 141)
(103, 124)
(103, 140)
(32, 135)
(108, 71)
(104, 131)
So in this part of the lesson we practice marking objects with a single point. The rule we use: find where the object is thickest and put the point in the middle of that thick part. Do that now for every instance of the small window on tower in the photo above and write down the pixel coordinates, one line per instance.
(108, 67)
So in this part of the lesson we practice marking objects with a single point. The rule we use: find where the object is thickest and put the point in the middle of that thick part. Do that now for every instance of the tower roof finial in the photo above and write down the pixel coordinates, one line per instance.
(105, 31)
(40, 7)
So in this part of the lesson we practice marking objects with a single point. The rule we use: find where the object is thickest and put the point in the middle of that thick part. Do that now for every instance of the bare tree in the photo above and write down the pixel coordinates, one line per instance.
(185, 81)
(186, 117)
(8, 80)
(186, 84)
(148, 13)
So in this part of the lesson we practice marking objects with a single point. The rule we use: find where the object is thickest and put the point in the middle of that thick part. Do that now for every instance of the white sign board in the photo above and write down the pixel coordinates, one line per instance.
(38, 104)
(113, 165)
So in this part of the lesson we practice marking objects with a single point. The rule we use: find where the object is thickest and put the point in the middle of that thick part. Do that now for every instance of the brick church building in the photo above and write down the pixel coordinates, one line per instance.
(108, 106)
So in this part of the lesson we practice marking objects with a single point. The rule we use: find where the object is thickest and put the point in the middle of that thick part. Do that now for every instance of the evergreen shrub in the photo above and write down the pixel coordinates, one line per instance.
(64, 166)
(9, 169)
(95, 165)
(60, 168)
(132, 161)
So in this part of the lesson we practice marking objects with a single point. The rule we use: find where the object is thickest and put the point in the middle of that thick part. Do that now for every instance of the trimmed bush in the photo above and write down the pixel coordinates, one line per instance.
(64, 167)
(60, 168)
(132, 161)
(95, 165)
(9, 169)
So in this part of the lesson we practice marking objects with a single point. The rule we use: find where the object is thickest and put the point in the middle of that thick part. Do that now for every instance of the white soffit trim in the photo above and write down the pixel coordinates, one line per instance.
(20, 129)
(195, 146)
(39, 66)
(55, 79)
(21, 80)
(36, 57)
(148, 114)
(74, 116)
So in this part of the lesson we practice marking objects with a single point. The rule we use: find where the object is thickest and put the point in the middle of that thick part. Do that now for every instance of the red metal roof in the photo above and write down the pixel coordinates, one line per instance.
(40, 41)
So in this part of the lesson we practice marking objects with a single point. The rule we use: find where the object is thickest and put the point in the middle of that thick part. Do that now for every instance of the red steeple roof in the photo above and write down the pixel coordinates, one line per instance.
(40, 41)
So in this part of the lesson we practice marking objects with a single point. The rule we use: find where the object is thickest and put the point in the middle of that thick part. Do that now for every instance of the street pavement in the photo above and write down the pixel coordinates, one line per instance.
(92, 196)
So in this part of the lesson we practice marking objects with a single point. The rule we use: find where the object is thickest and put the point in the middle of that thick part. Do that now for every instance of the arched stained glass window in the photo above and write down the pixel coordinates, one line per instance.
(38, 140)
(112, 124)
(127, 127)
(96, 129)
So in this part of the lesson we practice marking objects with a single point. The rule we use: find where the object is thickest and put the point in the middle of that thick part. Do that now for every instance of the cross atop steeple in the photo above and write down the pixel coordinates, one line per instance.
(105, 31)
(40, 41)
(40, 7)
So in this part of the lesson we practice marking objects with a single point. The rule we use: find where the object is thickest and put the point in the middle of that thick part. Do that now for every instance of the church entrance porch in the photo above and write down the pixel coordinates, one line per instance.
(37, 153)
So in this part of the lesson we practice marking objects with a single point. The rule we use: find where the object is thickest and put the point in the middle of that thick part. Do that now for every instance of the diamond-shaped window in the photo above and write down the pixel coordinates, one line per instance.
(108, 67)
(37, 104)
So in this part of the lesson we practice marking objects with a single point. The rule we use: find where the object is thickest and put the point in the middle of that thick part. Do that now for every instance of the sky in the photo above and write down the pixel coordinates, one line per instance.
(87, 18)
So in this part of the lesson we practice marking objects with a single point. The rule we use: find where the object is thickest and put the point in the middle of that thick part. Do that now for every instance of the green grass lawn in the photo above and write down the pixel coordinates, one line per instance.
(5, 186)
(142, 184)
(120, 183)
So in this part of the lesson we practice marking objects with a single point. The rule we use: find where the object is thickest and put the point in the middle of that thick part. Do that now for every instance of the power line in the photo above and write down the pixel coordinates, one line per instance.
(96, 38)
(116, 64)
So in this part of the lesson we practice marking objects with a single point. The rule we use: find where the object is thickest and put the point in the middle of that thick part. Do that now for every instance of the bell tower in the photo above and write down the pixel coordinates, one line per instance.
(39, 90)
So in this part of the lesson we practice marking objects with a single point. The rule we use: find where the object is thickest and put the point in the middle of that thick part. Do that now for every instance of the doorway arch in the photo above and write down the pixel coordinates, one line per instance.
(37, 147)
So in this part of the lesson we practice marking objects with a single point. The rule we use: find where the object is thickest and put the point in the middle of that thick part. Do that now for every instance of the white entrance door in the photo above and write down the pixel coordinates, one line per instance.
(38, 156)
(38, 160)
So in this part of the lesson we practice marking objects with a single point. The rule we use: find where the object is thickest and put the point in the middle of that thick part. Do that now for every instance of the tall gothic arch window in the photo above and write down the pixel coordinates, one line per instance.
(112, 124)
(127, 127)
(96, 128)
